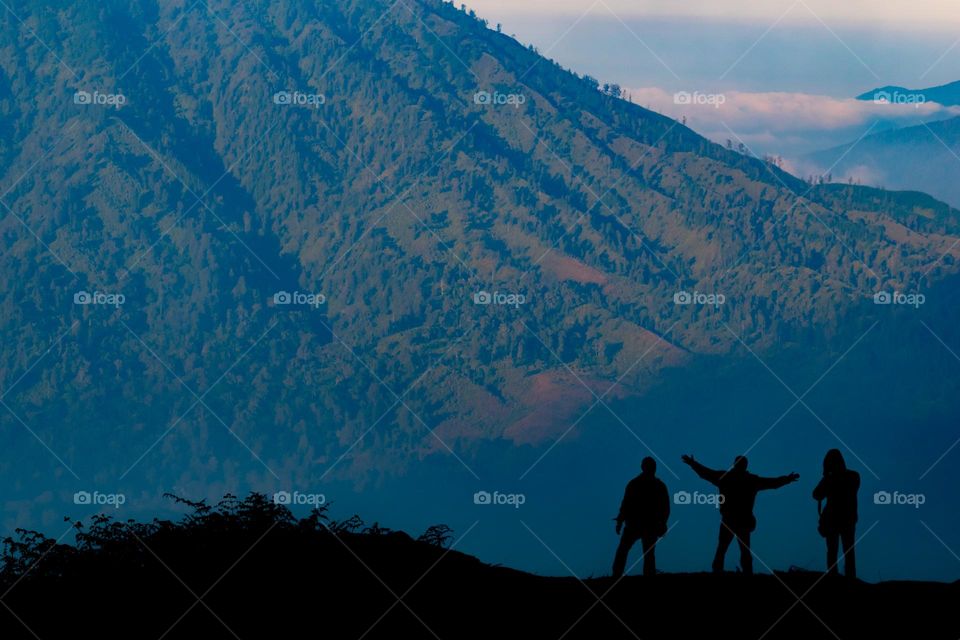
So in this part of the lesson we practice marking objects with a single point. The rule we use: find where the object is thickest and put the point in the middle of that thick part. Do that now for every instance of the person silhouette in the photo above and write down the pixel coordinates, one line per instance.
(645, 509)
(838, 518)
(738, 492)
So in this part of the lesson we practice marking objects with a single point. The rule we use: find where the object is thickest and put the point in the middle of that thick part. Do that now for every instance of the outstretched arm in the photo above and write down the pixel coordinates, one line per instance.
(776, 483)
(710, 475)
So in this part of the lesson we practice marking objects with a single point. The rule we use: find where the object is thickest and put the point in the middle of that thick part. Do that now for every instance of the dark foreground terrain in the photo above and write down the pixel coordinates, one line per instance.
(248, 569)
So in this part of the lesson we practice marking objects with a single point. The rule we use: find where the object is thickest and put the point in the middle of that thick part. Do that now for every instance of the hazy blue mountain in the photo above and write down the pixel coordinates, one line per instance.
(922, 158)
(947, 94)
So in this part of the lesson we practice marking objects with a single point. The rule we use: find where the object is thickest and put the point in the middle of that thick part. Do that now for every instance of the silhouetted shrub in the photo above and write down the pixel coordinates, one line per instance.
(107, 544)
(439, 535)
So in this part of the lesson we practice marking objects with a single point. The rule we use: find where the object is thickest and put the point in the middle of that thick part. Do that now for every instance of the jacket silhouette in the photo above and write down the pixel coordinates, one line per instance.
(738, 490)
(838, 518)
(644, 510)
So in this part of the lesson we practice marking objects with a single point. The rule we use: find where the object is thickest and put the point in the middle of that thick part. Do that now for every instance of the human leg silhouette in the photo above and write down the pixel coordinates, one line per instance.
(833, 546)
(746, 557)
(649, 556)
(627, 540)
(848, 536)
(723, 543)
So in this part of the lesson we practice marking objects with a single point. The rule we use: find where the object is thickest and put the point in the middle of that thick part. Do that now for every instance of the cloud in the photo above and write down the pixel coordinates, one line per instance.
(782, 112)
(782, 122)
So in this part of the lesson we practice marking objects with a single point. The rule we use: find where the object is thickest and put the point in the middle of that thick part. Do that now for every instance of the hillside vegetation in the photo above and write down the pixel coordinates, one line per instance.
(398, 158)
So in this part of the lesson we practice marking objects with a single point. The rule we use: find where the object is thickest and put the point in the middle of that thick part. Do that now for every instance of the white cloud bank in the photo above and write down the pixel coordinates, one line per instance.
(783, 123)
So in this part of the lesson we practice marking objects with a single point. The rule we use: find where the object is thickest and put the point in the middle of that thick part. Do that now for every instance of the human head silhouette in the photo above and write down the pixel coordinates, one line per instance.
(833, 462)
(740, 463)
(648, 465)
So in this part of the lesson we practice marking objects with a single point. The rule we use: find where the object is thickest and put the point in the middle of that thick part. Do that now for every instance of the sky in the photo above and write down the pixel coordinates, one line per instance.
(936, 14)
(788, 70)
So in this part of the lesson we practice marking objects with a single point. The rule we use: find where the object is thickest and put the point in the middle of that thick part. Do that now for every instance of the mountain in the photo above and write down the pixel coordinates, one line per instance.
(272, 244)
(947, 94)
(922, 158)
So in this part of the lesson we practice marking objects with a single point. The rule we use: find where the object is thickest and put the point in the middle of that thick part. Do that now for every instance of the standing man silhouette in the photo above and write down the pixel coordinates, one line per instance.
(838, 519)
(645, 510)
(738, 492)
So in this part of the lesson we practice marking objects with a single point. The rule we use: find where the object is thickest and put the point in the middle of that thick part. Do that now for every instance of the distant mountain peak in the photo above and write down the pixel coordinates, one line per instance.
(947, 94)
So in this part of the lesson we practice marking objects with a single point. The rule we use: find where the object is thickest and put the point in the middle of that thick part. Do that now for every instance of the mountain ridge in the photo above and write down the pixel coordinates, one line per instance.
(921, 158)
(378, 582)
(946, 94)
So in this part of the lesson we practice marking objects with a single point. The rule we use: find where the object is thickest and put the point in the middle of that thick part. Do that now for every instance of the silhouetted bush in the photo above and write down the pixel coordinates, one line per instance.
(108, 543)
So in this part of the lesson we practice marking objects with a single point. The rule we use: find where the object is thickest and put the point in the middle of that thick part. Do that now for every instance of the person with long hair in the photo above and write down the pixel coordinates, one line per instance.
(838, 517)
